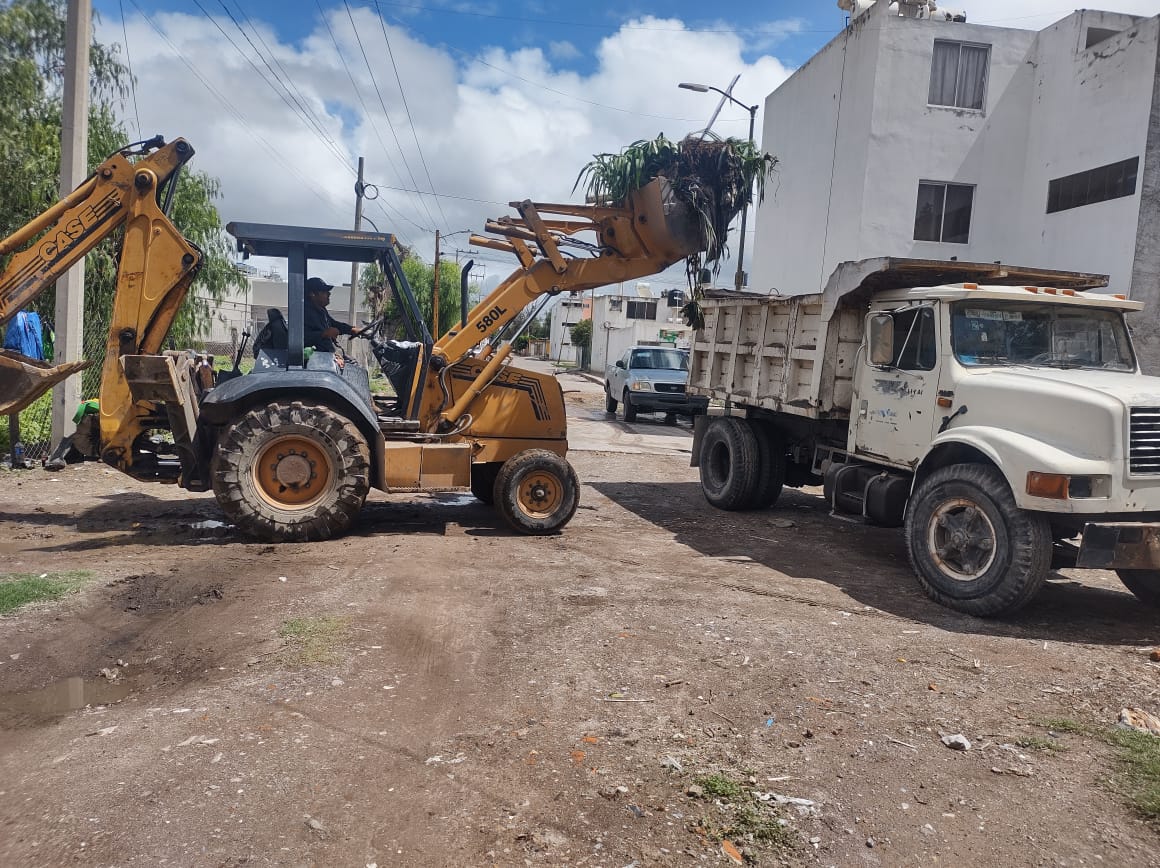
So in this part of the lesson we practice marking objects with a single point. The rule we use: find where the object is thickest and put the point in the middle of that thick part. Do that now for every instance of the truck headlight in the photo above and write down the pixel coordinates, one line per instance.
(640, 386)
(1060, 486)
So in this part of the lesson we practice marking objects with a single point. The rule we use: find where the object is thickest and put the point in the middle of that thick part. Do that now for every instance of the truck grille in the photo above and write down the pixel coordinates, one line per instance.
(670, 387)
(1144, 440)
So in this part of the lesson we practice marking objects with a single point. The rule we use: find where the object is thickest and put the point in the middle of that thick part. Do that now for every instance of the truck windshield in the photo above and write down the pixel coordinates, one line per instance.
(660, 360)
(1043, 335)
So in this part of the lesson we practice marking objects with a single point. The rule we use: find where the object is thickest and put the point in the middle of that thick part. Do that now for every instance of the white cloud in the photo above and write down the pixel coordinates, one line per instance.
(564, 50)
(499, 126)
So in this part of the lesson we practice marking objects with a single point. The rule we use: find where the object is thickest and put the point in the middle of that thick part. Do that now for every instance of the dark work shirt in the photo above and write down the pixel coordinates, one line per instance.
(315, 321)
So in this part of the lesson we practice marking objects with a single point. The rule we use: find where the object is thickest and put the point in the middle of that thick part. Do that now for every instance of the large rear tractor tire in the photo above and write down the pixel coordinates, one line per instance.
(483, 480)
(1145, 584)
(771, 461)
(291, 472)
(537, 492)
(971, 547)
(730, 463)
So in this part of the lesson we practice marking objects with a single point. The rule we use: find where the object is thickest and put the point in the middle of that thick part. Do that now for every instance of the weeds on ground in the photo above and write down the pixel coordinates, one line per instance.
(740, 818)
(20, 589)
(1138, 756)
(1036, 742)
(314, 639)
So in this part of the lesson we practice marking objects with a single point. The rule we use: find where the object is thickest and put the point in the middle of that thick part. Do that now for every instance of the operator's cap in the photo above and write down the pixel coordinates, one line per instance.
(317, 284)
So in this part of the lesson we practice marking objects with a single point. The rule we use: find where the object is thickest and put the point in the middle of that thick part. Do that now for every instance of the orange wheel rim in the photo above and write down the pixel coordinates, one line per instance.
(540, 494)
(292, 472)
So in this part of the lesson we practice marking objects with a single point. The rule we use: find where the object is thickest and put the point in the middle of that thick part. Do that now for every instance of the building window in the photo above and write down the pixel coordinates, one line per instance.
(641, 310)
(616, 304)
(1095, 185)
(943, 212)
(958, 74)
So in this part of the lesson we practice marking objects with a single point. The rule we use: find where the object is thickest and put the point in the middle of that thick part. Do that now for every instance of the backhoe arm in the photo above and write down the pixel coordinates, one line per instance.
(119, 193)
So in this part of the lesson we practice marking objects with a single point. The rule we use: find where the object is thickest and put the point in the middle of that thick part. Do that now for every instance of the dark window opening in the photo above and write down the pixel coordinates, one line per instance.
(914, 341)
(1096, 35)
(943, 212)
(1113, 181)
(641, 310)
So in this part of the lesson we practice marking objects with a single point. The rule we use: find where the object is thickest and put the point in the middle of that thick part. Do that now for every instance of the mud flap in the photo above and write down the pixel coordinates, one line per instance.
(1120, 546)
(23, 380)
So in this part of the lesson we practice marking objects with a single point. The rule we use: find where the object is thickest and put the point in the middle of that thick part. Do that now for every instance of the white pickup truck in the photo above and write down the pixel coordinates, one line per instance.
(650, 379)
(997, 413)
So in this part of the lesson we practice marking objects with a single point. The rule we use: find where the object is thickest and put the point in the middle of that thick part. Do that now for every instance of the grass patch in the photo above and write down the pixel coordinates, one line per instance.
(750, 822)
(314, 639)
(1139, 781)
(20, 589)
(1065, 724)
(1036, 742)
(719, 785)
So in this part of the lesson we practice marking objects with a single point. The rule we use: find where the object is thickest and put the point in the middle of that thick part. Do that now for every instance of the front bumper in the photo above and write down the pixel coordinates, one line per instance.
(1129, 545)
(669, 402)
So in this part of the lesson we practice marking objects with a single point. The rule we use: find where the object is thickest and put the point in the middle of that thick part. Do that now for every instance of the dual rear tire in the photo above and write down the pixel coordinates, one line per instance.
(742, 463)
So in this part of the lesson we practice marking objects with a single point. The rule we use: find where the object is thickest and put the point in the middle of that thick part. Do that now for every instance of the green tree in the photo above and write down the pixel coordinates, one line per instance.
(420, 277)
(582, 334)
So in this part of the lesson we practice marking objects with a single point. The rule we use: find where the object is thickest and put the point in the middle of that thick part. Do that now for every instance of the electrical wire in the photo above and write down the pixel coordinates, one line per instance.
(129, 63)
(387, 114)
(407, 108)
(238, 116)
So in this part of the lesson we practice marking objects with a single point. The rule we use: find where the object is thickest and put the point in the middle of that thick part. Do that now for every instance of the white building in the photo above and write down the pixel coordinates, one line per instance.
(939, 139)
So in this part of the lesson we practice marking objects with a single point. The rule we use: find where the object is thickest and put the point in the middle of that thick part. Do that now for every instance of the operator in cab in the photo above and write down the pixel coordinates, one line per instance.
(319, 327)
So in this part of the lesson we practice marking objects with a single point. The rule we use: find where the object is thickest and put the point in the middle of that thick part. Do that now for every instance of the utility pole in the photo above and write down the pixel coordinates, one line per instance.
(358, 206)
(74, 139)
(435, 289)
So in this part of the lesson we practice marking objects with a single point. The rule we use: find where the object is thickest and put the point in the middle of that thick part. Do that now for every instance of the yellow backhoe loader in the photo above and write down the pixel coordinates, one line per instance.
(291, 449)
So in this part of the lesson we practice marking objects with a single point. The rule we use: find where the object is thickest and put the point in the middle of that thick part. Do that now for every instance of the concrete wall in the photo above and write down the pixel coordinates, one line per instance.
(1146, 267)
(854, 135)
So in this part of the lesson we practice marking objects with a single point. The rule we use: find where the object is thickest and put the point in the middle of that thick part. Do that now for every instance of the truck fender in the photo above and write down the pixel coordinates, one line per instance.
(1015, 455)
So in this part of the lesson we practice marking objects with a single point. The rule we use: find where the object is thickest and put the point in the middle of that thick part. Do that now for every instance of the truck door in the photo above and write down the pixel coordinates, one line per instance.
(896, 386)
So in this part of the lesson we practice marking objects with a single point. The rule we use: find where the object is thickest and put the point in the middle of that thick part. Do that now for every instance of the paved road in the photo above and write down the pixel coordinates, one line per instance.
(591, 429)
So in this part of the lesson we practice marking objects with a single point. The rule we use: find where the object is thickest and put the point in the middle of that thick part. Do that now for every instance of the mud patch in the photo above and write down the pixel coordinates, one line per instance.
(152, 593)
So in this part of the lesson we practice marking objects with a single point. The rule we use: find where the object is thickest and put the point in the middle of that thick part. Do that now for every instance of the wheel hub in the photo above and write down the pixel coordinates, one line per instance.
(292, 472)
(961, 539)
(540, 494)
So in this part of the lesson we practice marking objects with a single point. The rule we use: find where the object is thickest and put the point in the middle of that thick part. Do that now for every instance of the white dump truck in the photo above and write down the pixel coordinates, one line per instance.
(998, 414)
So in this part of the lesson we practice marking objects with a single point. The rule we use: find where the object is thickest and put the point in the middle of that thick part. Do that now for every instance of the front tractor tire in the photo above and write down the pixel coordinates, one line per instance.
(973, 549)
(291, 472)
(536, 492)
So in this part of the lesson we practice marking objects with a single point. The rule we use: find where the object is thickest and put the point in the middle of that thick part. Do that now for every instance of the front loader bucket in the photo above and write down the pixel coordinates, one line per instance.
(666, 226)
(23, 380)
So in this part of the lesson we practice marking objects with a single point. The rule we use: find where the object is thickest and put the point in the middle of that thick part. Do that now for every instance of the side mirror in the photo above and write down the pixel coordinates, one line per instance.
(881, 340)
(620, 363)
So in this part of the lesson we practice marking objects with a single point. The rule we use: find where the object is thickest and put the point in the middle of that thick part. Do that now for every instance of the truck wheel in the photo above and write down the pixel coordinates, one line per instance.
(730, 463)
(537, 492)
(1145, 584)
(291, 472)
(483, 480)
(629, 410)
(609, 401)
(971, 547)
(771, 460)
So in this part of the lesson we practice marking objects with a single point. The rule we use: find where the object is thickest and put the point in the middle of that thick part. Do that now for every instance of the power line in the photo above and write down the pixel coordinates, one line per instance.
(129, 63)
(407, 108)
(237, 114)
(386, 113)
(366, 112)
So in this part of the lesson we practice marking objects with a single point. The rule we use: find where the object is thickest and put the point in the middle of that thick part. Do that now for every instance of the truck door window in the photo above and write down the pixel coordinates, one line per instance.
(914, 339)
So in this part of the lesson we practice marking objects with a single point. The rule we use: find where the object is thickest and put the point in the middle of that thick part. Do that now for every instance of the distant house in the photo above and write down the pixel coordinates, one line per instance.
(942, 139)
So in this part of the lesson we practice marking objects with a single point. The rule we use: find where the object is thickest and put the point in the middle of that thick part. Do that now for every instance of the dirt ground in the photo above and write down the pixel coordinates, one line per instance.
(481, 698)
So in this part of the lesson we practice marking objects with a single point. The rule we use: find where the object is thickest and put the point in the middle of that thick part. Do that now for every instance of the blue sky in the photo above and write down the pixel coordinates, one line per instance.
(458, 108)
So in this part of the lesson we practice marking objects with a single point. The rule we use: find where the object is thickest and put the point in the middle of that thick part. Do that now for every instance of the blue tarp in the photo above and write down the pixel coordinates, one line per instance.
(23, 335)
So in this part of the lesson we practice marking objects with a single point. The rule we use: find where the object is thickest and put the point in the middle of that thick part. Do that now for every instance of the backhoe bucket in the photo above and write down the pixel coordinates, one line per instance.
(23, 380)
(666, 226)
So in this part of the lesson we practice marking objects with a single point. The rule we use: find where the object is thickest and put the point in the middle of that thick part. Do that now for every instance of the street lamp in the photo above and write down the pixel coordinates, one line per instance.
(752, 109)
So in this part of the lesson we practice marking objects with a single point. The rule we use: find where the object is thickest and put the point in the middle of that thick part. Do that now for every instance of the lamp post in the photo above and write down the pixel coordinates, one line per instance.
(739, 279)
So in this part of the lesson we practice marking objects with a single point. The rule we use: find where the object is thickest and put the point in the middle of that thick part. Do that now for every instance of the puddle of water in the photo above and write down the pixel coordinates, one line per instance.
(456, 499)
(60, 697)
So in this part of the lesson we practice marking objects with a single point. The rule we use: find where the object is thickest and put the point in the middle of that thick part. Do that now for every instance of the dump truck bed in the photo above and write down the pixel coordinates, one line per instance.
(798, 354)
